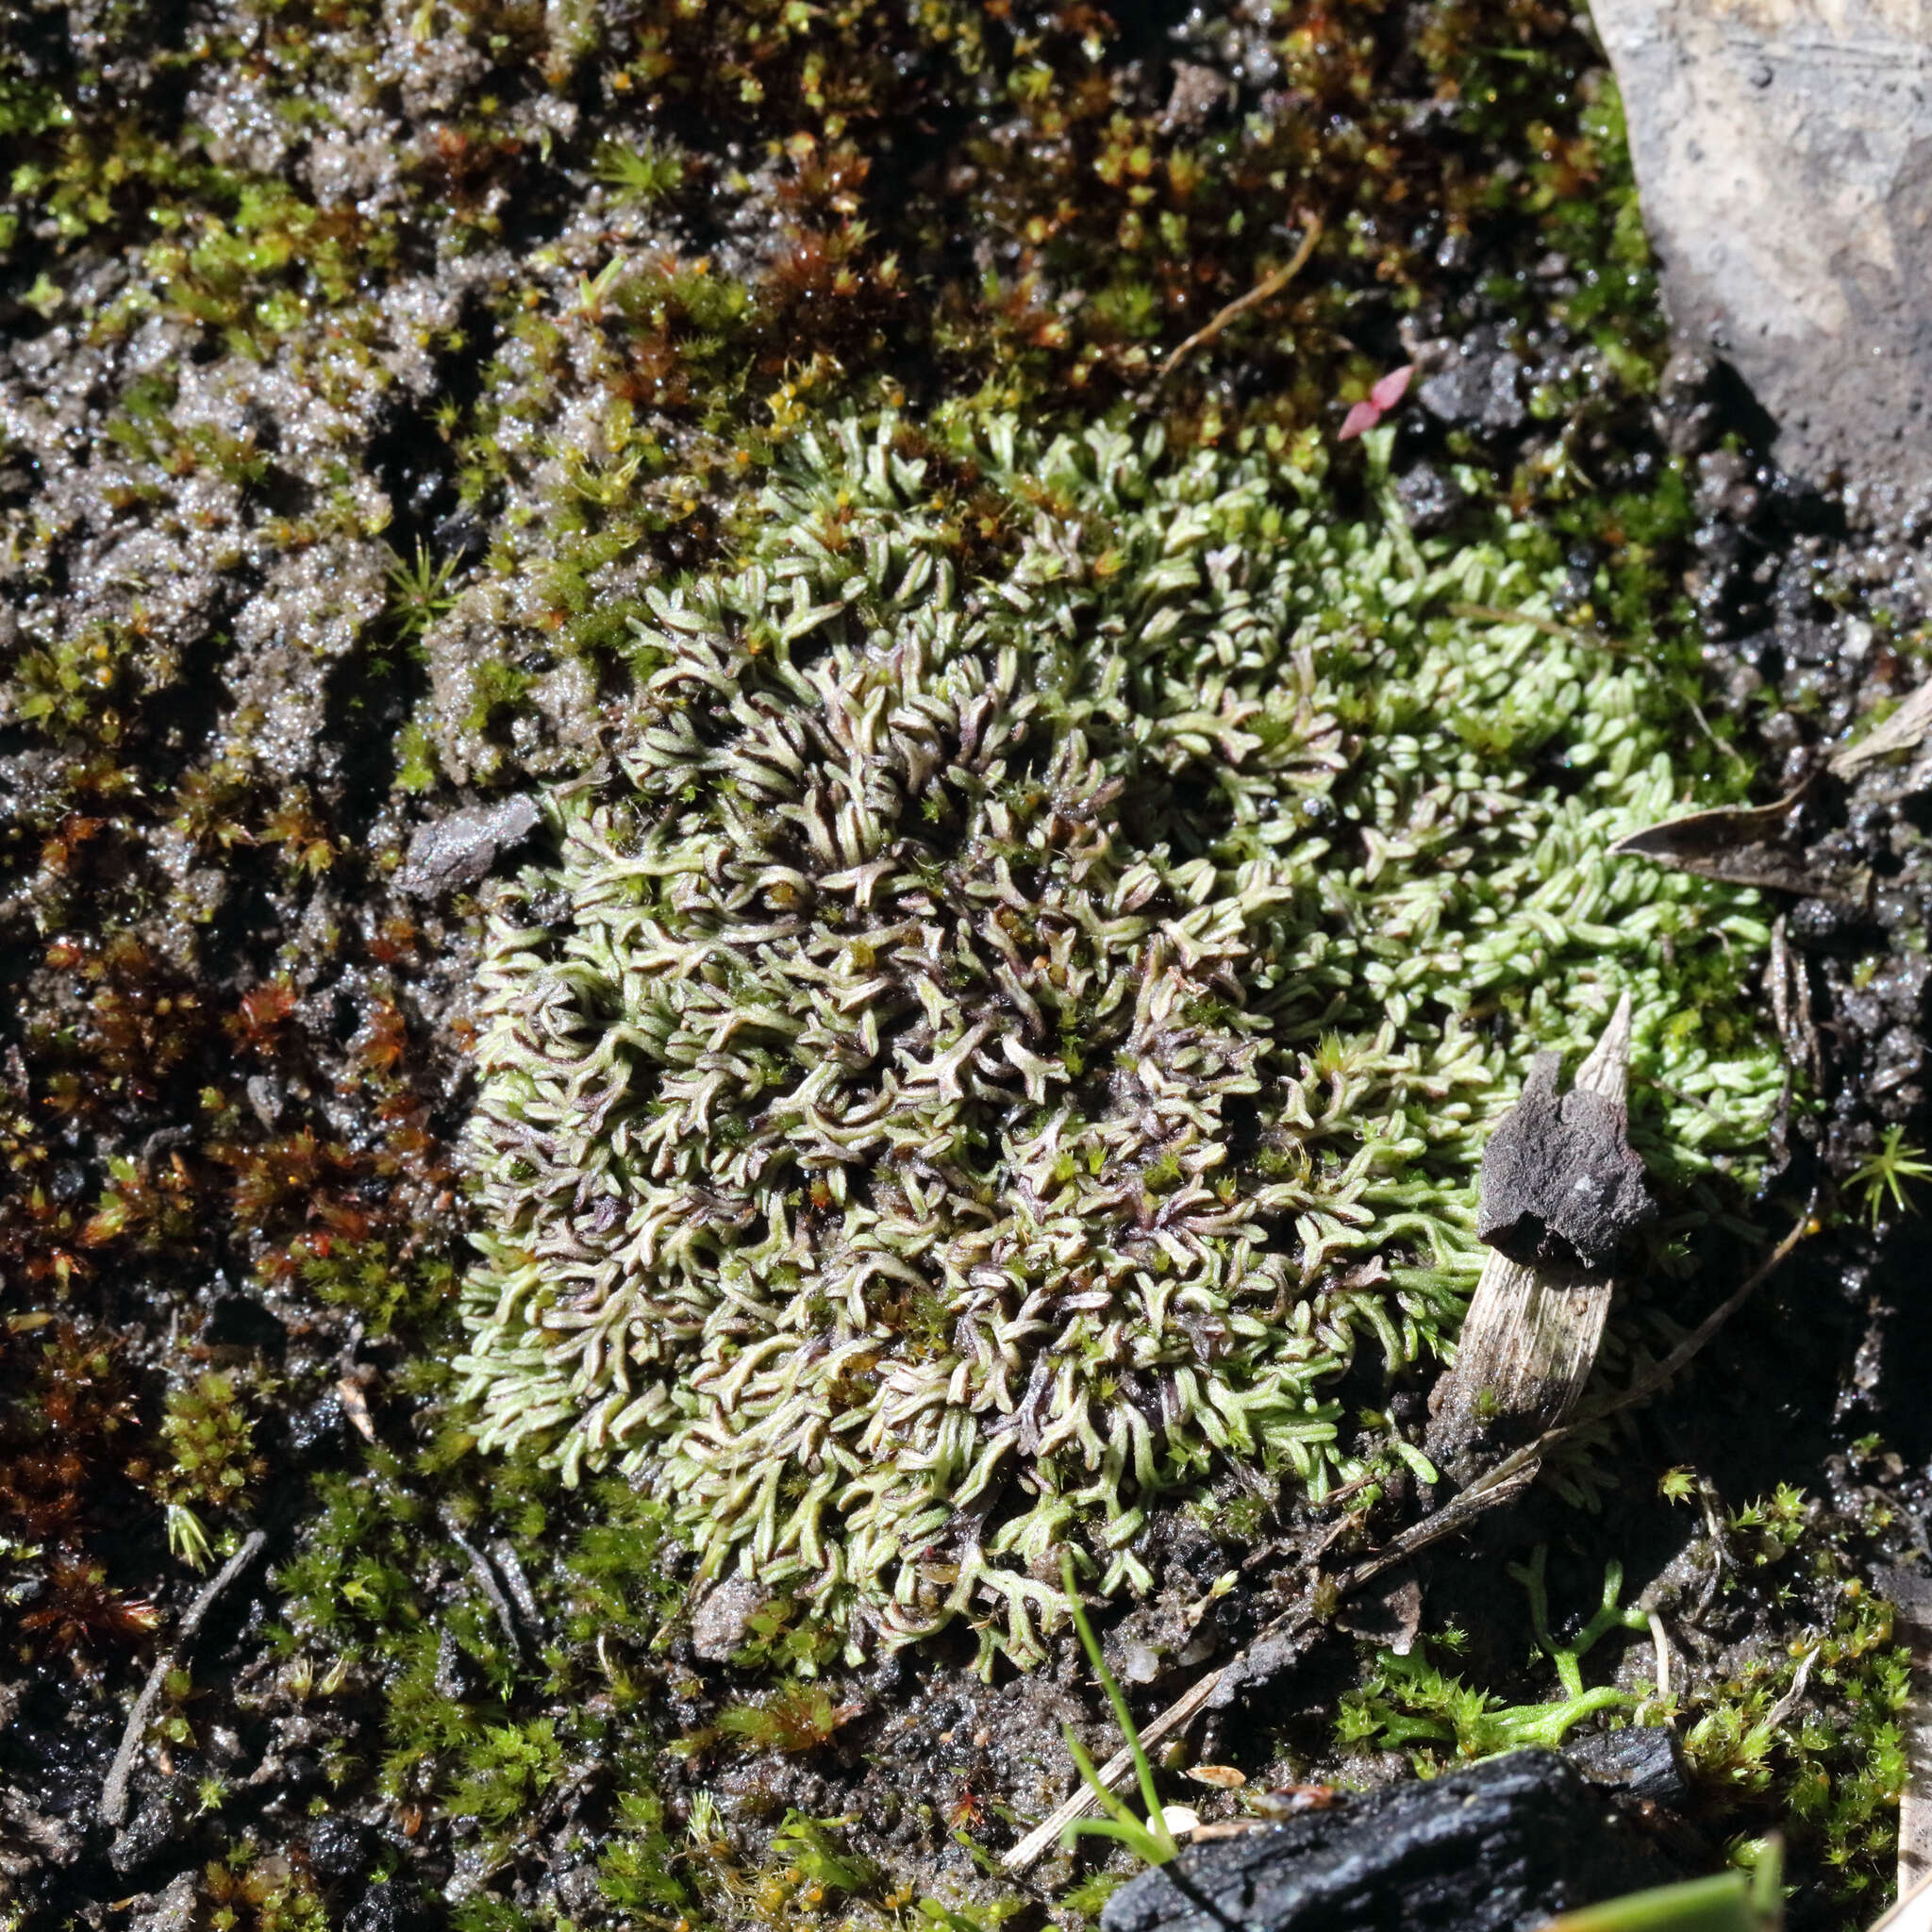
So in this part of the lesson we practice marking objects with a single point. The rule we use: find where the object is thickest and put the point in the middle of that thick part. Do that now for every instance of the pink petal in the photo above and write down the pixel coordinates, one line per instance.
(1363, 416)
(1389, 391)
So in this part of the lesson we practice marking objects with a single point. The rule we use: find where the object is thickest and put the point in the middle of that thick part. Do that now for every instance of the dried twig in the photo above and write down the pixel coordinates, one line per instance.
(1788, 982)
(512, 1569)
(1800, 1679)
(113, 1806)
(1660, 1646)
(1508, 1478)
(1497, 613)
(487, 1582)
(1268, 285)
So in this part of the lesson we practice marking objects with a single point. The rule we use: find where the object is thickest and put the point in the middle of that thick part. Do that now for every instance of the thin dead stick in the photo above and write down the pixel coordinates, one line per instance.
(1268, 285)
(1115, 1770)
(1660, 1645)
(1508, 1478)
(1497, 613)
(113, 1808)
(1800, 1679)
(1352, 1488)
(487, 1583)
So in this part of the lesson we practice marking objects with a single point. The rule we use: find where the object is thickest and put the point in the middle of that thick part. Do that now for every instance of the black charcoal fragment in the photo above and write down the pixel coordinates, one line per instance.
(341, 1847)
(391, 1906)
(1498, 1848)
(1643, 1762)
(1560, 1182)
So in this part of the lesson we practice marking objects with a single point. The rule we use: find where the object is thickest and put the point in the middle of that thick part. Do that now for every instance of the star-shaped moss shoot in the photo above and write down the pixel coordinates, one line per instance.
(1033, 1003)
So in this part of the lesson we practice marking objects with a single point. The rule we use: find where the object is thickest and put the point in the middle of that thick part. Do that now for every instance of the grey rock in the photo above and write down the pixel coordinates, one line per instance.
(396, 1905)
(164, 1141)
(473, 1865)
(341, 1847)
(1197, 94)
(1430, 500)
(1390, 1619)
(1784, 159)
(170, 1909)
(1498, 1848)
(154, 1826)
(265, 1095)
(460, 850)
(580, 1891)
(1474, 384)
(1687, 417)
(720, 1624)
(1261, 1663)
(31, 1837)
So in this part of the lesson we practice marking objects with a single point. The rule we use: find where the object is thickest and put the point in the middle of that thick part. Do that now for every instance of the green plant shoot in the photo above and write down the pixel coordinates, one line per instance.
(1149, 1839)
(1887, 1172)
(1731, 1901)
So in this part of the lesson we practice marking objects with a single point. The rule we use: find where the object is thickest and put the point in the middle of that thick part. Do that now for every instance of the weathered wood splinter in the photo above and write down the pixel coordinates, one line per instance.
(1560, 1189)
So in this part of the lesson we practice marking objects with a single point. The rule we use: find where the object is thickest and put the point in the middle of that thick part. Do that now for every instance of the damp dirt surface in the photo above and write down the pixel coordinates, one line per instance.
(323, 453)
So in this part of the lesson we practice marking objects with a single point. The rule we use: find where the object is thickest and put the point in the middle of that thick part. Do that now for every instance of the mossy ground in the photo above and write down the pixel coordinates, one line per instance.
(366, 368)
